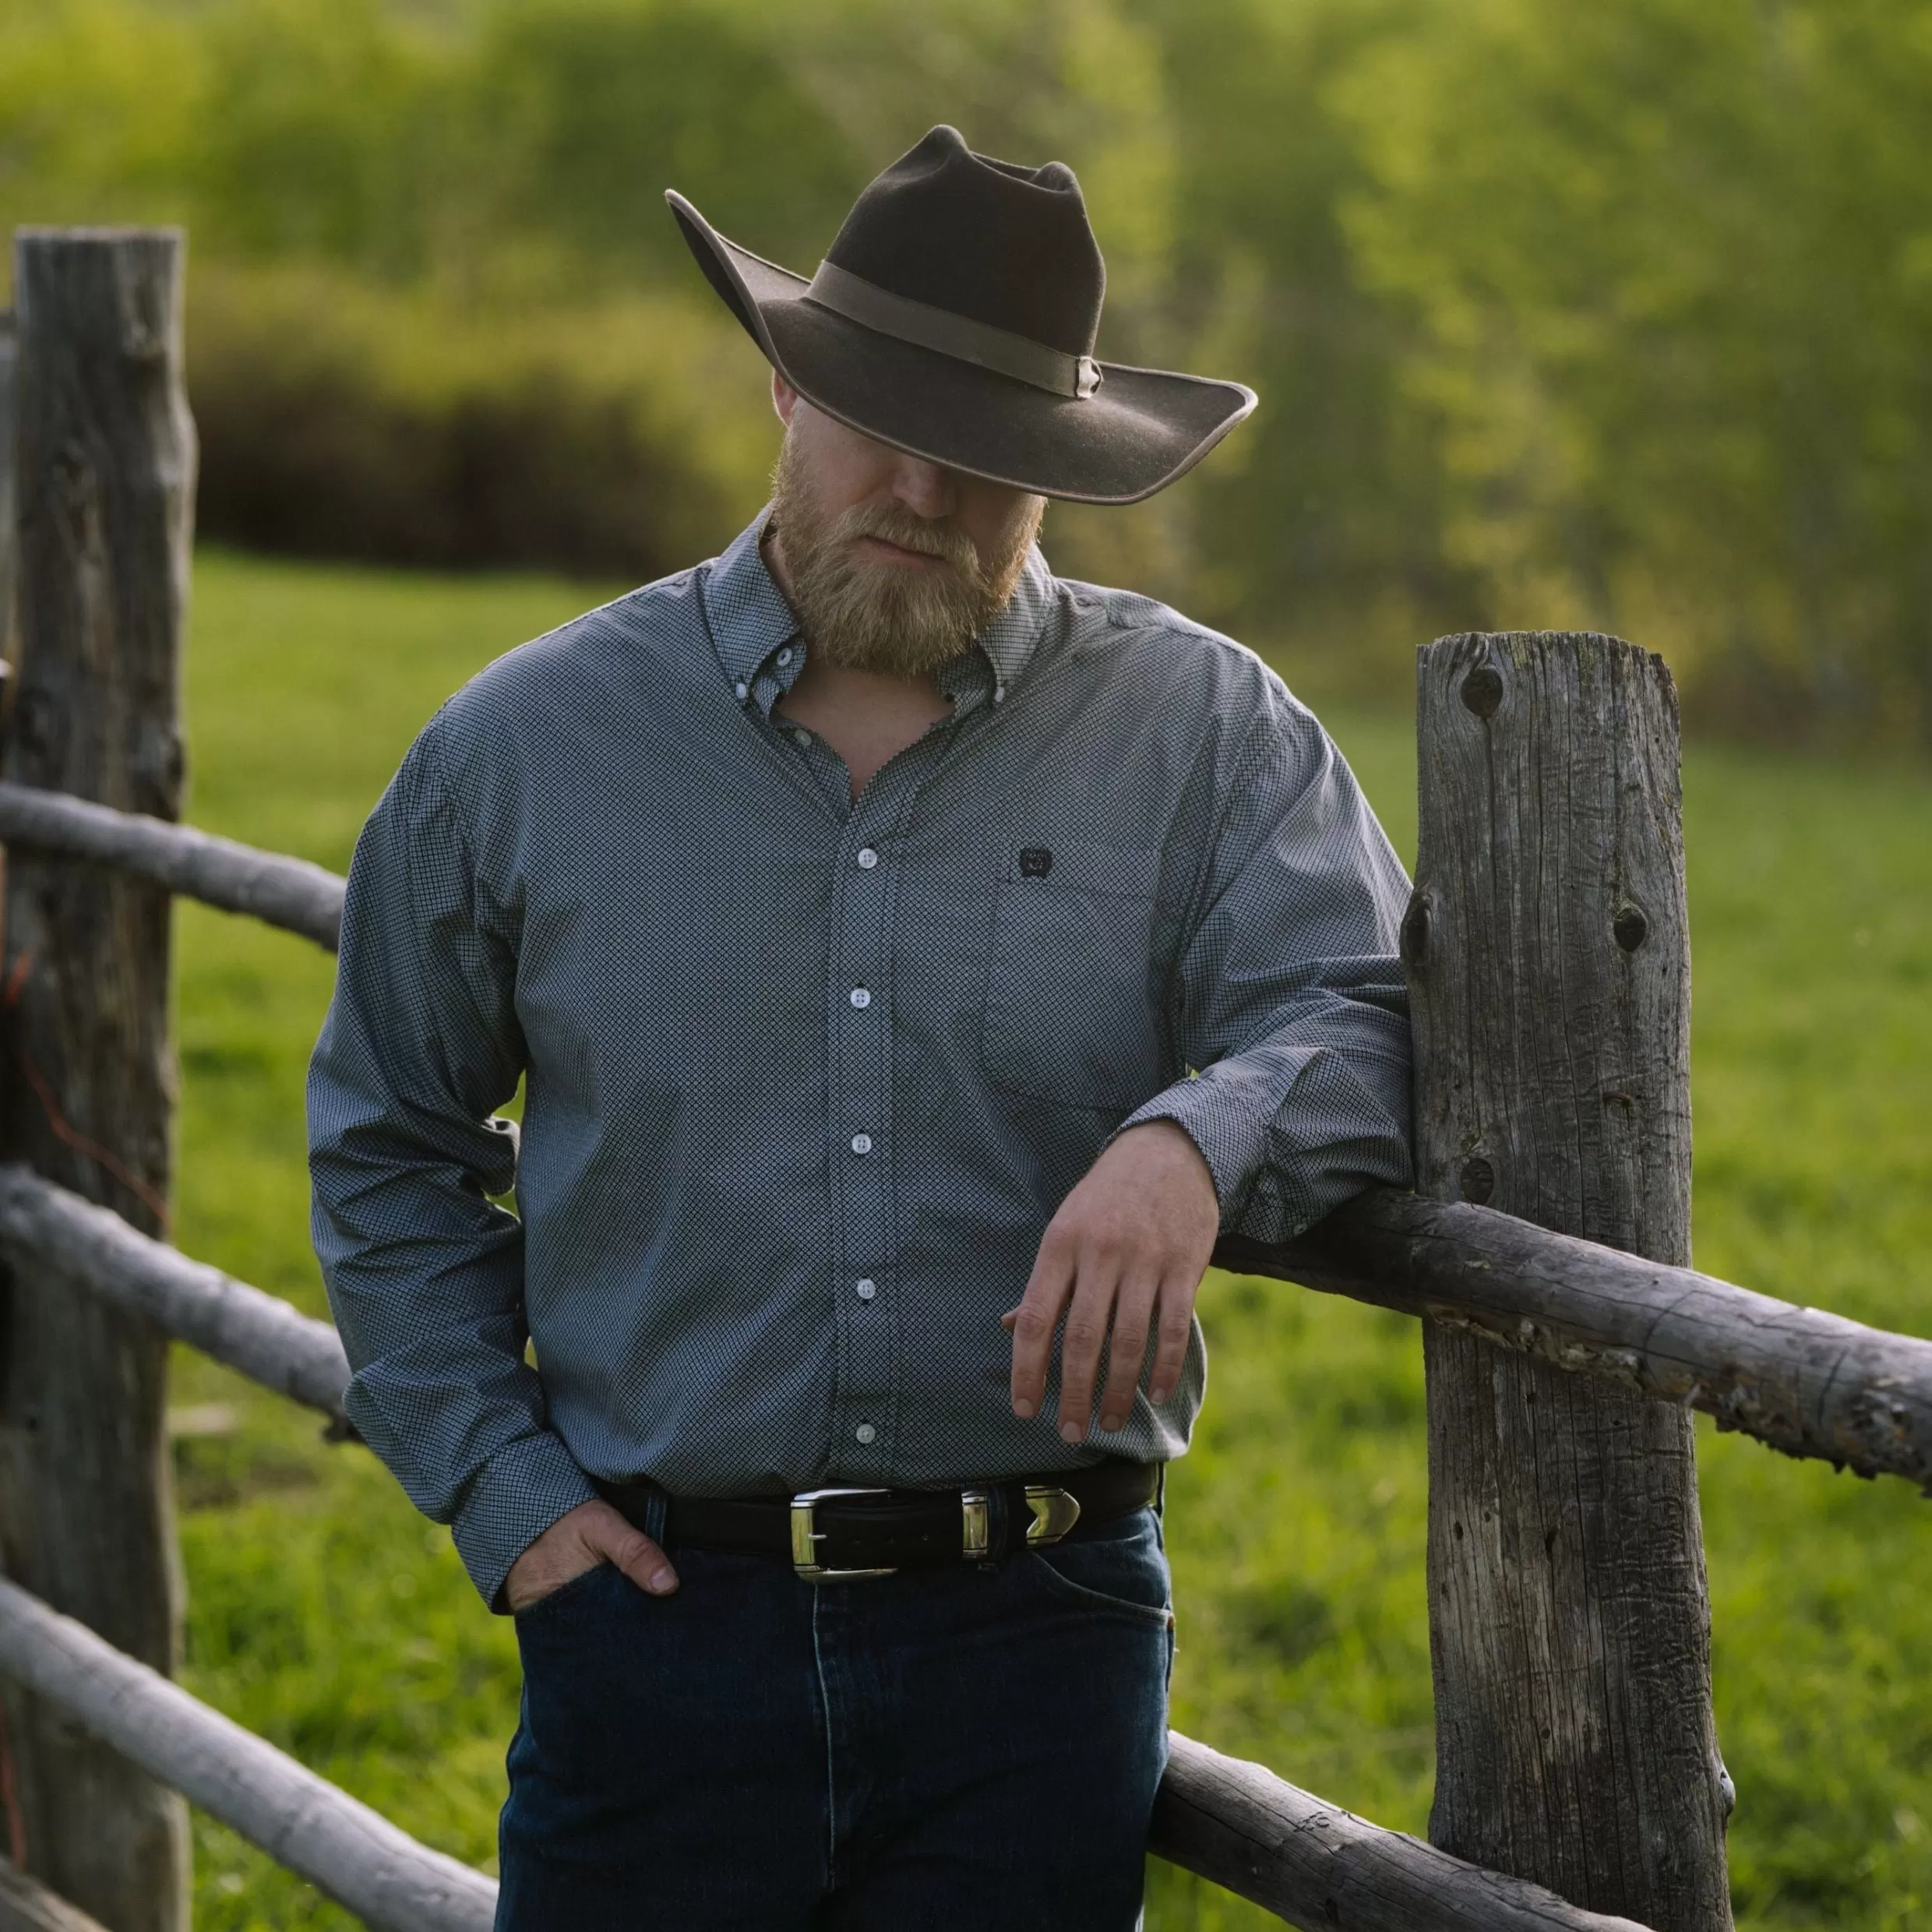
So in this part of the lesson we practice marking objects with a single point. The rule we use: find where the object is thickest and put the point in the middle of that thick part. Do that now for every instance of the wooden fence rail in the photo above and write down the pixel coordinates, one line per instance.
(1321, 1868)
(1805, 1382)
(353, 1854)
(289, 893)
(258, 1334)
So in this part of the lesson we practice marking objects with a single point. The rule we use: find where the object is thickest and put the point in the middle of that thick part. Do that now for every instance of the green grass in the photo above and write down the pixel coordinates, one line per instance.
(323, 1613)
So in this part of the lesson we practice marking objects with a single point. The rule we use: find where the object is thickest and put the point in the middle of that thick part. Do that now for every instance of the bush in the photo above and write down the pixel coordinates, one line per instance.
(340, 420)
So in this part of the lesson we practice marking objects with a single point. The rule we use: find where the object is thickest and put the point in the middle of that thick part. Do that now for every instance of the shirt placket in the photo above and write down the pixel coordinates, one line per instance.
(860, 999)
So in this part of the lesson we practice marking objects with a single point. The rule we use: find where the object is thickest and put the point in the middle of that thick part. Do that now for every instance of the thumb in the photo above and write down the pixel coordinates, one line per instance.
(630, 1550)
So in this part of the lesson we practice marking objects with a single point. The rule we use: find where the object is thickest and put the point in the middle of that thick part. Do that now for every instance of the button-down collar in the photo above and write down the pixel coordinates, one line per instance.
(751, 623)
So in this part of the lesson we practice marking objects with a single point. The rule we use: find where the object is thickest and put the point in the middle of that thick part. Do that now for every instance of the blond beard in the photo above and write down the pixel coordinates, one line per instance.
(886, 617)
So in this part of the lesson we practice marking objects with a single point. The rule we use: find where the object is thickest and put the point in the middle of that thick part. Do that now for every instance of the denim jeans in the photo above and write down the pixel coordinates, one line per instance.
(964, 1747)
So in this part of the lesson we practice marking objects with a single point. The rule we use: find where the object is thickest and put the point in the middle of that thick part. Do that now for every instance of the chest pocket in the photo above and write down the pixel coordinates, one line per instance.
(1072, 1000)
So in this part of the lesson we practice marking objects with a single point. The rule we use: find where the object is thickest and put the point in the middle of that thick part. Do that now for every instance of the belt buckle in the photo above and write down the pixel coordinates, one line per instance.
(805, 1534)
(1054, 1512)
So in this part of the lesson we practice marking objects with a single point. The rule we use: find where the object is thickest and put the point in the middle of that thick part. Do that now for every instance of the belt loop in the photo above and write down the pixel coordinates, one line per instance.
(657, 1510)
(1160, 1489)
(999, 1523)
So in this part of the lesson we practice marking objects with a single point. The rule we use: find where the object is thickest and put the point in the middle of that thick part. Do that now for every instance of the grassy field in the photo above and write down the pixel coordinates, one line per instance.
(325, 1614)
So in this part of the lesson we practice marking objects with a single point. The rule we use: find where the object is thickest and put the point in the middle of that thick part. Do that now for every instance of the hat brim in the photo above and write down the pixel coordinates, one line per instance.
(1139, 432)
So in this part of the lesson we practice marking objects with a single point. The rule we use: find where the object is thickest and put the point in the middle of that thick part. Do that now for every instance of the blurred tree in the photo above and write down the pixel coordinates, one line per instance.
(594, 107)
(1670, 261)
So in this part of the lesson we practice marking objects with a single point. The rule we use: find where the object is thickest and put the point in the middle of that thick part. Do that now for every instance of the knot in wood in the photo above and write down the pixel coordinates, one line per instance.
(1483, 690)
(1478, 1179)
(1629, 926)
(1415, 934)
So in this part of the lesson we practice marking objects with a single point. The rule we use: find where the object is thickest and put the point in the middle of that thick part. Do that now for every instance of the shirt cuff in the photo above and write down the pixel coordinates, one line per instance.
(510, 1502)
(1226, 1117)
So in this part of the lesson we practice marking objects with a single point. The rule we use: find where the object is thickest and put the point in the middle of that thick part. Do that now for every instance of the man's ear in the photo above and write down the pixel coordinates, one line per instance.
(784, 398)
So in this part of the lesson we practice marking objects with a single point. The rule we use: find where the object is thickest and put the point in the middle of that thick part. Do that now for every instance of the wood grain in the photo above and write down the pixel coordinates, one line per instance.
(105, 482)
(1549, 959)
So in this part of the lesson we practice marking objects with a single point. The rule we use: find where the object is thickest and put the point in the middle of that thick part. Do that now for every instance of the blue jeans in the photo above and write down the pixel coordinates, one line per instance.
(965, 1747)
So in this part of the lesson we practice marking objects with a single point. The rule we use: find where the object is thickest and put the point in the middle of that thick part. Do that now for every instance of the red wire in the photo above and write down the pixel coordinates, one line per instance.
(63, 1129)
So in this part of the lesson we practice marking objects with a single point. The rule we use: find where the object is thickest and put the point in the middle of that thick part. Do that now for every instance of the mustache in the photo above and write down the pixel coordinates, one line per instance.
(900, 527)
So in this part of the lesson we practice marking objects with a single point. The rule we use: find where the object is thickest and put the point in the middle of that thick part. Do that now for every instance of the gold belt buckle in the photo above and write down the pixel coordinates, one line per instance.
(806, 1535)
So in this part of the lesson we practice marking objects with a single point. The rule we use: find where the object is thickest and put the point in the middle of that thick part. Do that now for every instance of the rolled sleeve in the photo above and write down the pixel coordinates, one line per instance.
(1290, 1004)
(425, 1271)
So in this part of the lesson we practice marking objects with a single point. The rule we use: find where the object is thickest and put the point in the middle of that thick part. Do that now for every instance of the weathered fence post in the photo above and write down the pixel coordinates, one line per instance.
(105, 485)
(7, 348)
(1548, 958)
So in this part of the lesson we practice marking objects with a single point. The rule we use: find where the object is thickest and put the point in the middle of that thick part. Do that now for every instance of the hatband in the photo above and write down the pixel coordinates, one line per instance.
(947, 334)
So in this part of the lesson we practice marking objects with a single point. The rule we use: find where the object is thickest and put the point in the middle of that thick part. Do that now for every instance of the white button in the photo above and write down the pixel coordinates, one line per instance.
(742, 689)
(867, 858)
(861, 998)
(861, 1143)
(784, 656)
(867, 1288)
(866, 1433)
(1000, 694)
(802, 737)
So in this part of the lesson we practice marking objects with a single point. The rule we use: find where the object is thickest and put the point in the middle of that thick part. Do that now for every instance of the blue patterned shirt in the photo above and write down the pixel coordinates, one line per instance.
(806, 1077)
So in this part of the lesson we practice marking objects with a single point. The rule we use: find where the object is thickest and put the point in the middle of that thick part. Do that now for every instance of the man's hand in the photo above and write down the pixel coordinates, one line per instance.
(1129, 1246)
(590, 1534)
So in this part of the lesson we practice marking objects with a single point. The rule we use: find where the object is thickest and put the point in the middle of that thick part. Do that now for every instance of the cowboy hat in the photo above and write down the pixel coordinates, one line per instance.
(954, 317)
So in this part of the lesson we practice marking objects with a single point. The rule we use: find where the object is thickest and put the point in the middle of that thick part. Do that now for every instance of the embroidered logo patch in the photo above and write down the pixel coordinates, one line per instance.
(1036, 862)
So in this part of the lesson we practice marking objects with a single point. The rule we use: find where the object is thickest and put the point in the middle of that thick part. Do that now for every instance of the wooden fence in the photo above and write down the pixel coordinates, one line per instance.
(1546, 1249)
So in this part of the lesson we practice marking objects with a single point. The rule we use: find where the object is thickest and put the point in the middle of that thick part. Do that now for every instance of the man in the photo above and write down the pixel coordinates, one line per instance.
(899, 946)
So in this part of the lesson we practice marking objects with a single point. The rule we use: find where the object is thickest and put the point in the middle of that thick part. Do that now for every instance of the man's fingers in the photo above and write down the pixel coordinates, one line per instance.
(1127, 1351)
(1170, 1347)
(617, 1541)
(1033, 1322)
(1087, 1317)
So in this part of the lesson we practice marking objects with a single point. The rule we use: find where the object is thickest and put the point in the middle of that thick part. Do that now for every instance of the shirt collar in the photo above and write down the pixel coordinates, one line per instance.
(751, 621)
(749, 616)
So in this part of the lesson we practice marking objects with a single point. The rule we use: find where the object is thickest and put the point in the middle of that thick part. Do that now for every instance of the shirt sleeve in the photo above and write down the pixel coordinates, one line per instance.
(425, 1271)
(1291, 1010)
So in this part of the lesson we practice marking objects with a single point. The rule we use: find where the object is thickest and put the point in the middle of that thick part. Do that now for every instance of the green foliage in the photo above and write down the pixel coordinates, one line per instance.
(1614, 318)
(325, 1614)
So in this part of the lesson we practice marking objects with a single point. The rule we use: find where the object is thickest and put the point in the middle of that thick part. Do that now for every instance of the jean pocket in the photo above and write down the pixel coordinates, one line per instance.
(1072, 1005)
(562, 1597)
(1121, 1575)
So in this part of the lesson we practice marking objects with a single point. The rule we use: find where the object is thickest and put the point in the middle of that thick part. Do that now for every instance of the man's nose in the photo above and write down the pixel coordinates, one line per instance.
(924, 488)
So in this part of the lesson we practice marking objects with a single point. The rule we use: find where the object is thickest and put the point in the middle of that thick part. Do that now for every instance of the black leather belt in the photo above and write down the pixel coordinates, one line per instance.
(844, 1532)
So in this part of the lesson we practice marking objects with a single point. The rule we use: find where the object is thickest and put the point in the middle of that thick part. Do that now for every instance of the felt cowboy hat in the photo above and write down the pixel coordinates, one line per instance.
(954, 316)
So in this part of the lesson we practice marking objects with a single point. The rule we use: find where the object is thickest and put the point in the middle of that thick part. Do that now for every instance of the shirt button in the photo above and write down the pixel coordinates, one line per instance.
(866, 1433)
(784, 656)
(861, 998)
(861, 1143)
(867, 1288)
(743, 690)
(801, 738)
(867, 858)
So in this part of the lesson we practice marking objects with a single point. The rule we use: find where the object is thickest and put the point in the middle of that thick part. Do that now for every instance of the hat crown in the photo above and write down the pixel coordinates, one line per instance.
(1006, 246)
